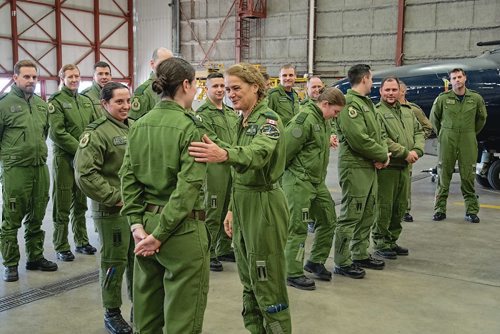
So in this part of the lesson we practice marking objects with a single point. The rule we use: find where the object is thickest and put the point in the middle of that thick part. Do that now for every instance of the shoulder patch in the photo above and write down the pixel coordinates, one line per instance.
(353, 113)
(270, 131)
(136, 104)
(95, 124)
(301, 117)
(51, 108)
(84, 141)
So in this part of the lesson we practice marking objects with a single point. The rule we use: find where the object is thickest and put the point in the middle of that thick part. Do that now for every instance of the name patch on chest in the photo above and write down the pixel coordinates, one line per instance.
(119, 140)
(17, 108)
(450, 101)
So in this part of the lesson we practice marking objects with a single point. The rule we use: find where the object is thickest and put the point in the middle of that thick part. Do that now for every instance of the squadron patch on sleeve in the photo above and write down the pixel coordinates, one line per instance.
(270, 131)
(51, 108)
(135, 105)
(85, 139)
(353, 113)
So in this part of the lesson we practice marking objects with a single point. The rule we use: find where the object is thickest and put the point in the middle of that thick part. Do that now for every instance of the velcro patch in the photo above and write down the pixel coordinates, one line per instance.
(119, 140)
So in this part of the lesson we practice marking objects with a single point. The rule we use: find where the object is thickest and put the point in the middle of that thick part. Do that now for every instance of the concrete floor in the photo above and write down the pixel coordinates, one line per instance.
(449, 283)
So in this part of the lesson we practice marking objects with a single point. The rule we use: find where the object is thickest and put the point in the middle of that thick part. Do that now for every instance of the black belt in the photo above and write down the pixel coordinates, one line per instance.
(195, 214)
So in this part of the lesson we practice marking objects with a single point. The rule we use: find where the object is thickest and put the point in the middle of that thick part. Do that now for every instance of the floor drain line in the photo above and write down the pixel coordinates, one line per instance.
(26, 297)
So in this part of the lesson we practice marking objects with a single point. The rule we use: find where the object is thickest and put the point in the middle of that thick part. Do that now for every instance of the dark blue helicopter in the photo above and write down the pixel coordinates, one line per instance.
(426, 81)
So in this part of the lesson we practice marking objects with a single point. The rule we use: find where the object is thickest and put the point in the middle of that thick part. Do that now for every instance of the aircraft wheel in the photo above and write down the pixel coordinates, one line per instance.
(494, 175)
(483, 181)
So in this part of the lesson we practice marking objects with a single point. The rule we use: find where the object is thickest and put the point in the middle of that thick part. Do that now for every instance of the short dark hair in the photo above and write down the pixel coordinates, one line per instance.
(108, 89)
(102, 64)
(389, 78)
(458, 69)
(266, 76)
(24, 63)
(357, 72)
(170, 74)
(215, 75)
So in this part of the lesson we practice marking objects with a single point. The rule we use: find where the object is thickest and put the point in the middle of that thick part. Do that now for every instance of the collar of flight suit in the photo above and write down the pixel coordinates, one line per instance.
(115, 121)
(18, 92)
(68, 91)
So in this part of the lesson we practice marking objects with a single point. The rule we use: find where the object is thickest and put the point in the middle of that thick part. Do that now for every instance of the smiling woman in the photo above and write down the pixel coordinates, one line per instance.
(258, 216)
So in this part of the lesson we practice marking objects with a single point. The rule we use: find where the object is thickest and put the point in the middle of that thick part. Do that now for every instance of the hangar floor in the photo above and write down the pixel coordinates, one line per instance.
(450, 282)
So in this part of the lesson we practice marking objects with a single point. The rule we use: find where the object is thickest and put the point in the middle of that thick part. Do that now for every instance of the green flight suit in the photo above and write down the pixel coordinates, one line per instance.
(456, 124)
(404, 134)
(69, 115)
(144, 99)
(94, 94)
(97, 162)
(361, 144)
(260, 220)
(170, 288)
(427, 127)
(307, 138)
(283, 104)
(223, 124)
(25, 177)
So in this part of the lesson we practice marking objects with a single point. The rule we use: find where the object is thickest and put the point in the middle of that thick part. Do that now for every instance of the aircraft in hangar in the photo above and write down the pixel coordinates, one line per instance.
(426, 81)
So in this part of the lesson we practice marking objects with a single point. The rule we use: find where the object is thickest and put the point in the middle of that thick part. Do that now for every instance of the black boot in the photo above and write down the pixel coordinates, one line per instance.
(114, 322)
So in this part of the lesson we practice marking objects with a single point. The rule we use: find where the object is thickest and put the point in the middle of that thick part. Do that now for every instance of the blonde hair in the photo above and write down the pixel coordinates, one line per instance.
(249, 74)
(67, 67)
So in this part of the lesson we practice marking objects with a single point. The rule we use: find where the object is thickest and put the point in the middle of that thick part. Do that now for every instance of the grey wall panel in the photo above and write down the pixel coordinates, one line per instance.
(153, 29)
(347, 32)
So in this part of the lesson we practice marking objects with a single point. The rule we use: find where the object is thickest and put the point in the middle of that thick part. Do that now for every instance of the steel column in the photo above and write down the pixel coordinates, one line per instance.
(58, 40)
(400, 33)
(13, 25)
(97, 33)
(130, 17)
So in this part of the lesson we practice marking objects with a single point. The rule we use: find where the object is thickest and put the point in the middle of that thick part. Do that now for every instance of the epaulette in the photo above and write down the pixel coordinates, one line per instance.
(301, 117)
(95, 124)
(197, 120)
(271, 114)
(140, 90)
(378, 104)
(3, 95)
(86, 90)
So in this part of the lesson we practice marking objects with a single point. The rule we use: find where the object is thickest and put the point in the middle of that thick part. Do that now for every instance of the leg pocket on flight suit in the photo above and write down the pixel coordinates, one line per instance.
(356, 207)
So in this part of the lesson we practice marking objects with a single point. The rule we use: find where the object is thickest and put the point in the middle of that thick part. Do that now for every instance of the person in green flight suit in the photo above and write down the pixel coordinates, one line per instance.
(457, 117)
(283, 99)
(405, 141)
(363, 150)
(69, 115)
(307, 138)
(221, 121)
(97, 162)
(258, 214)
(428, 132)
(25, 176)
(145, 98)
(162, 199)
(102, 75)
